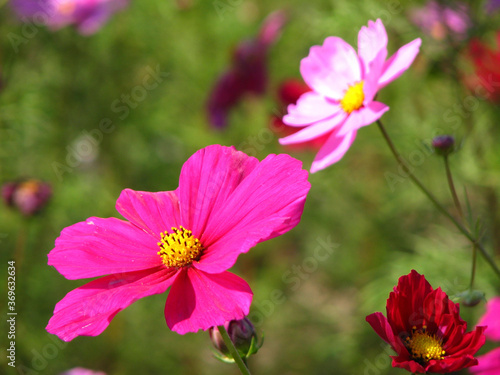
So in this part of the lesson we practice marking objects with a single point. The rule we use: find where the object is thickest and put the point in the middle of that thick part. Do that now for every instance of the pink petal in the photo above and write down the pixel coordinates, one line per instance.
(99, 247)
(370, 87)
(363, 117)
(491, 319)
(372, 44)
(207, 179)
(266, 204)
(154, 213)
(198, 300)
(331, 68)
(311, 107)
(315, 130)
(489, 363)
(333, 150)
(88, 310)
(271, 27)
(399, 62)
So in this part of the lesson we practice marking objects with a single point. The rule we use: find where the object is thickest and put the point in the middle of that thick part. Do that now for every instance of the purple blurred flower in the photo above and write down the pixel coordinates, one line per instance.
(492, 6)
(247, 73)
(28, 196)
(82, 371)
(438, 20)
(88, 15)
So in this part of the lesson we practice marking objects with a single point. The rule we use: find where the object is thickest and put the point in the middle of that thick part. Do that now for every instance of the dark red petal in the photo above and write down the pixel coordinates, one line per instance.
(450, 364)
(410, 365)
(382, 327)
(470, 343)
(436, 304)
(405, 304)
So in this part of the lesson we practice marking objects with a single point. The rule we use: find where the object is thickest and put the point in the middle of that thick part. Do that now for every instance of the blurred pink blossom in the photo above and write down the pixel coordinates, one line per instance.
(88, 15)
(82, 371)
(492, 5)
(439, 20)
(28, 196)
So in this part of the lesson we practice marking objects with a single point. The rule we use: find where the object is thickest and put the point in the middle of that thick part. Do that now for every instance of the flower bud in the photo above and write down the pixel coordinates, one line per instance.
(471, 297)
(242, 334)
(443, 144)
(28, 196)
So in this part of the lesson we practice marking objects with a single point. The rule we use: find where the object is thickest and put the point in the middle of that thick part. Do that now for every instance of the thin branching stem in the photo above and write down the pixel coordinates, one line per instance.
(438, 205)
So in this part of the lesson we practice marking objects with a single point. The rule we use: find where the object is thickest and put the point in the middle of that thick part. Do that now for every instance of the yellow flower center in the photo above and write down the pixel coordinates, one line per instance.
(424, 346)
(353, 98)
(180, 248)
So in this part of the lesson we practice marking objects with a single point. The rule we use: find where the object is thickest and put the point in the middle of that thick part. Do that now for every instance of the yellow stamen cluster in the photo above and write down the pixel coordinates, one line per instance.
(424, 346)
(353, 98)
(180, 248)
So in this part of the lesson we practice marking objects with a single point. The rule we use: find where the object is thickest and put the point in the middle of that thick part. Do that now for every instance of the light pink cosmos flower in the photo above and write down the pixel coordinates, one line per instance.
(186, 239)
(88, 15)
(344, 85)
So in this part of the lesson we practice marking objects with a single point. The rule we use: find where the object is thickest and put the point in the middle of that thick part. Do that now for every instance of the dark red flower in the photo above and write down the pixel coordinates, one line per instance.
(487, 67)
(248, 71)
(425, 329)
(289, 92)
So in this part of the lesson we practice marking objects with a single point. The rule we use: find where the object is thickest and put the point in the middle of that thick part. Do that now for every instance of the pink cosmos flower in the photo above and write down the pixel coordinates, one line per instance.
(491, 318)
(186, 239)
(88, 15)
(344, 85)
(489, 363)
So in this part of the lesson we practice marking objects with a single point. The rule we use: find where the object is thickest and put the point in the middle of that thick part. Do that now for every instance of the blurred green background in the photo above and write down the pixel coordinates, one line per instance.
(59, 85)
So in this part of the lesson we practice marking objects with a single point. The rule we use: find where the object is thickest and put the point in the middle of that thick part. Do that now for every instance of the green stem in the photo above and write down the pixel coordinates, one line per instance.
(452, 187)
(473, 271)
(234, 352)
(438, 205)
